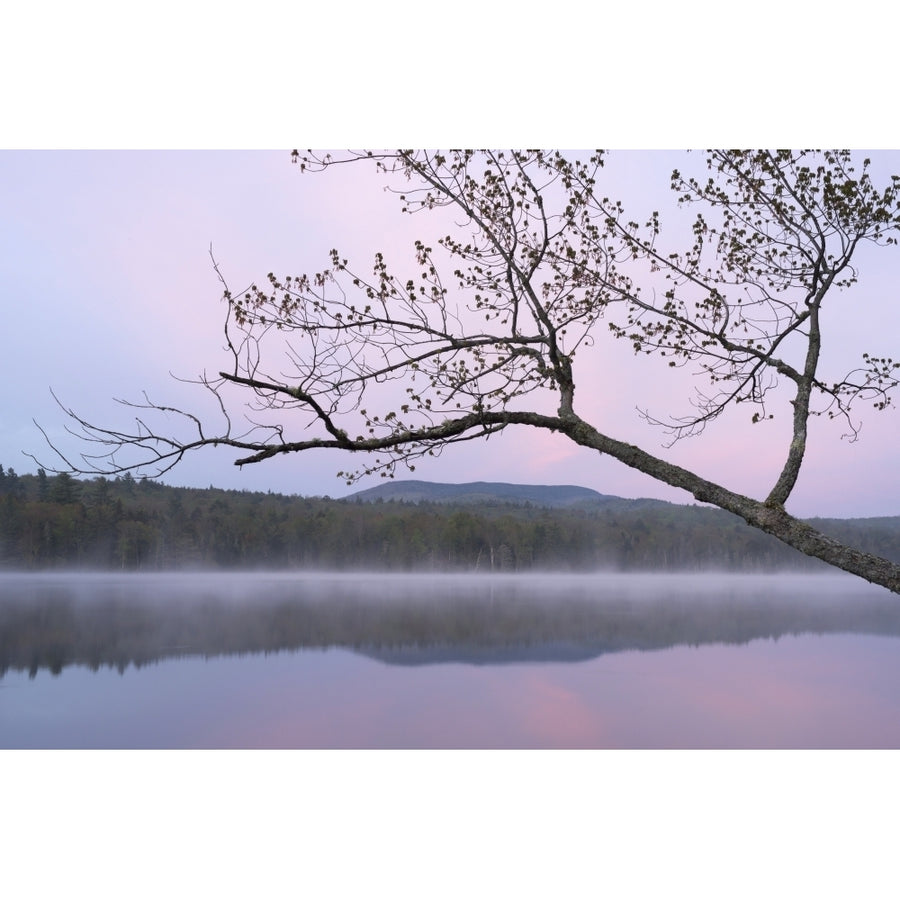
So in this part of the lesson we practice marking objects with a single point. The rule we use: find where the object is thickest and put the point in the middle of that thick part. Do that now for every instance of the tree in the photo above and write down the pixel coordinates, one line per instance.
(64, 489)
(536, 265)
(43, 485)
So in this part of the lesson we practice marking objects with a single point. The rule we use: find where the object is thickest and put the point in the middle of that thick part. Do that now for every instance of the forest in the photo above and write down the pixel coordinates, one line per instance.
(60, 522)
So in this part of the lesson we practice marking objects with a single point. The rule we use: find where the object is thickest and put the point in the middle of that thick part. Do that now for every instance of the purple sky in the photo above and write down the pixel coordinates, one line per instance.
(109, 287)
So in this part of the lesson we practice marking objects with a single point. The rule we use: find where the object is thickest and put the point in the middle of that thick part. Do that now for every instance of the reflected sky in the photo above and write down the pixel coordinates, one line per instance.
(801, 662)
(805, 691)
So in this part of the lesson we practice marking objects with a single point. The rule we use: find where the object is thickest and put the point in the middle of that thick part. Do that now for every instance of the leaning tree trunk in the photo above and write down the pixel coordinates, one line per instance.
(773, 519)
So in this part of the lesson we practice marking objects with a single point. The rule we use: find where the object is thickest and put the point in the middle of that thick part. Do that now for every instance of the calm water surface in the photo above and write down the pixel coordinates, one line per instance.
(252, 660)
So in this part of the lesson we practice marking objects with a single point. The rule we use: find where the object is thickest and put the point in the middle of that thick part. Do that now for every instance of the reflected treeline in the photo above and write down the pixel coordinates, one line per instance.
(51, 622)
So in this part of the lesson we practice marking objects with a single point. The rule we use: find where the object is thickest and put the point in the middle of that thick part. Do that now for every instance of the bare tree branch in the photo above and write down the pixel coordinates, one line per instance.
(482, 335)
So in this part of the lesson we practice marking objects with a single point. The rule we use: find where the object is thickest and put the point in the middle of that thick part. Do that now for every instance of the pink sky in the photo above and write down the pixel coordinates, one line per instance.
(109, 288)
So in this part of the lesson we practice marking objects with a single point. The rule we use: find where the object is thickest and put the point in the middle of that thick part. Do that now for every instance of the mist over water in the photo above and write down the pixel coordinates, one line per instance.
(302, 659)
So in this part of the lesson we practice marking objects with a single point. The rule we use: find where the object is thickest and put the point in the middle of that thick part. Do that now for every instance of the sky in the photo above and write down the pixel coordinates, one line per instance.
(109, 291)
(107, 281)
(107, 286)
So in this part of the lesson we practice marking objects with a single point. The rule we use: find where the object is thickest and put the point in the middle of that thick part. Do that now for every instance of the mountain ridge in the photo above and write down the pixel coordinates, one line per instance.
(52, 522)
(560, 496)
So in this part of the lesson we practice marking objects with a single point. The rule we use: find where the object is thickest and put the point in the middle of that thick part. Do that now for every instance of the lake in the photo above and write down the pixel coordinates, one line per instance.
(300, 660)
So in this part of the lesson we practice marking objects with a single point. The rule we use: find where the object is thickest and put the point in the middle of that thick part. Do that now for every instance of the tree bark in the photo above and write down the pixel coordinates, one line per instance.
(772, 519)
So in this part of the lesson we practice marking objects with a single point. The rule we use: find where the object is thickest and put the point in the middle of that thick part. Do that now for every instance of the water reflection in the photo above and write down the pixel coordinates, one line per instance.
(52, 622)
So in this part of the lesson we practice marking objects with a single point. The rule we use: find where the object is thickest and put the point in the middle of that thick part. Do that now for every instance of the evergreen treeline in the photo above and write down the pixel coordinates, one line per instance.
(60, 522)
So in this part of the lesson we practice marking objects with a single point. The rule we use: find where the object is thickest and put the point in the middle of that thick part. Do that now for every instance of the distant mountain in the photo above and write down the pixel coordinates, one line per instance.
(122, 524)
(557, 496)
